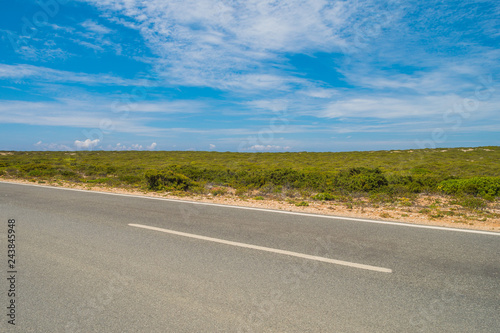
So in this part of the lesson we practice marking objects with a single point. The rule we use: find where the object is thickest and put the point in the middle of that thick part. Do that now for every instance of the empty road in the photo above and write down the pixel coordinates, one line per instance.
(95, 262)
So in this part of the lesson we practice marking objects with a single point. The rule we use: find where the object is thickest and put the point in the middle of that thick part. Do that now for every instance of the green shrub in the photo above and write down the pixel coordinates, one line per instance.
(486, 187)
(93, 170)
(130, 179)
(302, 203)
(241, 191)
(12, 171)
(42, 173)
(278, 189)
(99, 180)
(394, 174)
(423, 183)
(470, 202)
(218, 191)
(38, 170)
(360, 179)
(381, 198)
(34, 166)
(198, 188)
(168, 180)
(68, 174)
(406, 202)
(111, 170)
(324, 196)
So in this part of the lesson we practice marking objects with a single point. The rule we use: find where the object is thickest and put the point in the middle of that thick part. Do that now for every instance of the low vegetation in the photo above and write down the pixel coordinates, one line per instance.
(470, 178)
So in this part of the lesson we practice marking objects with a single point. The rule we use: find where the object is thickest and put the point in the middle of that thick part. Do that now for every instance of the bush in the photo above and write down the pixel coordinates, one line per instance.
(421, 183)
(486, 187)
(241, 191)
(99, 180)
(168, 180)
(130, 179)
(360, 179)
(68, 174)
(471, 202)
(218, 191)
(324, 197)
(381, 198)
(390, 174)
(38, 170)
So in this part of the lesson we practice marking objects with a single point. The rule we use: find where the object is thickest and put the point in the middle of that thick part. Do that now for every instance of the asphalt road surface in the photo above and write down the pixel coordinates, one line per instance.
(94, 262)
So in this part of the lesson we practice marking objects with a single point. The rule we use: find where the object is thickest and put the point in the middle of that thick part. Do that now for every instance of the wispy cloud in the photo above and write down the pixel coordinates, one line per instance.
(268, 148)
(409, 106)
(134, 146)
(19, 72)
(224, 71)
(94, 27)
(51, 146)
(74, 114)
(235, 45)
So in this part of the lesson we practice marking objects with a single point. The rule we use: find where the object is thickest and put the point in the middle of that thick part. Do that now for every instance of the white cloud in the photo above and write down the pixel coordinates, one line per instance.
(212, 146)
(89, 45)
(62, 28)
(275, 105)
(164, 107)
(320, 93)
(134, 146)
(95, 27)
(234, 45)
(104, 114)
(454, 77)
(24, 71)
(87, 144)
(51, 146)
(97, 37)
(118, 146)
(268, 148)
(390, 107)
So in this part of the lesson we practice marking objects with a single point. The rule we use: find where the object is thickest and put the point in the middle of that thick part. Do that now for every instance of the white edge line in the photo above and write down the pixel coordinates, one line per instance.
(401, 224)
(266, 249)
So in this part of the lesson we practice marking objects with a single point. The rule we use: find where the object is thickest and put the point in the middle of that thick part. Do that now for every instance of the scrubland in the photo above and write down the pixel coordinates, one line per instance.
(459, 186)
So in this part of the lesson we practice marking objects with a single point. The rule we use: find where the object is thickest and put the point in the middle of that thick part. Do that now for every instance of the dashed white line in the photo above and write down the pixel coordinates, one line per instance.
(267, 249)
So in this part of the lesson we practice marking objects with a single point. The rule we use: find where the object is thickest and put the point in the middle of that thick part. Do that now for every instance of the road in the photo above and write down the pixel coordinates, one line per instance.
(94, 262)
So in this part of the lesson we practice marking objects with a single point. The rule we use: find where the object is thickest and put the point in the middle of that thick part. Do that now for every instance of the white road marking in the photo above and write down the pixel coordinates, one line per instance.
(267, 249)
(333, 217)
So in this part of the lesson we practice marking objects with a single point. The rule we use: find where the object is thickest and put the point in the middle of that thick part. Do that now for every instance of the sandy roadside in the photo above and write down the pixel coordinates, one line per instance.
(405, 214)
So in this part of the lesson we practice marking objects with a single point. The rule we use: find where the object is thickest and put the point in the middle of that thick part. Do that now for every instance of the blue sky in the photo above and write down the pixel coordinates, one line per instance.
(248, 76)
